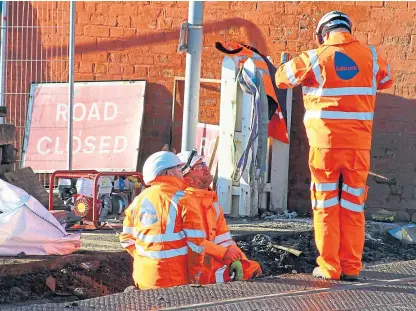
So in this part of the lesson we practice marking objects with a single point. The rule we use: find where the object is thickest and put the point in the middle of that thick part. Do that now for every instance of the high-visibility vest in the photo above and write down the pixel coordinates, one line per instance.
(240, 53)
(163, 231)
(340, 80)
(218, 239)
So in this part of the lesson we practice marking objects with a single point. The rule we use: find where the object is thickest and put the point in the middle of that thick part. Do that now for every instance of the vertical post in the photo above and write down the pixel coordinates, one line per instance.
(71, 52)
(3, 50)
(279, 178)
(192, 74)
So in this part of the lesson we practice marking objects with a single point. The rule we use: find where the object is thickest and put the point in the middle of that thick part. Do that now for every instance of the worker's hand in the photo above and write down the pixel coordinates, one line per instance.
(232, 254)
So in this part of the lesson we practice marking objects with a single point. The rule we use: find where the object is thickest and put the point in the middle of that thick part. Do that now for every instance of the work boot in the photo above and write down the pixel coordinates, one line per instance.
(318, 273)
(349, 278)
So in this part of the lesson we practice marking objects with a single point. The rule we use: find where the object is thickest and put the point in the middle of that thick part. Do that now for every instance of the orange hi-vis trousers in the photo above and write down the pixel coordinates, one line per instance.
(339, 223)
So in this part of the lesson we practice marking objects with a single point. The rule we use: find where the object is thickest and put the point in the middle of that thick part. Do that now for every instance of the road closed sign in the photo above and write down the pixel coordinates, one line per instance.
(107, 123)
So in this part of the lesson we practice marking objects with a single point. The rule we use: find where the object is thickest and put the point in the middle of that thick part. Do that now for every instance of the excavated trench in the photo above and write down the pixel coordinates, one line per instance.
(112, 274)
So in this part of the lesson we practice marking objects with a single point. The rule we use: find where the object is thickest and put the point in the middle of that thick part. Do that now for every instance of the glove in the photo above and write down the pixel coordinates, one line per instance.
(232, 254)
(236, 271)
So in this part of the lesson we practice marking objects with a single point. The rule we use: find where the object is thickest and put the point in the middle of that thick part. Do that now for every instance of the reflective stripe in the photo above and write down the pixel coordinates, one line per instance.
(339, 91)
(340, 115)
(158, 238)
(325, 203)
(219, 274)
(280, 115)
(162, 254)
(222, 237)
(191, 233)
(217, 209)
(313, 59)
(227, 243)
(173, 211)
(290, 74)
(324, 186)
(195, 248)
(352, 206)
(127, 243)
(388, 77)
(375, 68)
(354, 191)
(128, 230)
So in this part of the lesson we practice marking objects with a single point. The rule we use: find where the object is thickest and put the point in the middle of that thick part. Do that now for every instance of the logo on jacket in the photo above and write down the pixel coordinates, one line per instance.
(147, 213)
(345, 67)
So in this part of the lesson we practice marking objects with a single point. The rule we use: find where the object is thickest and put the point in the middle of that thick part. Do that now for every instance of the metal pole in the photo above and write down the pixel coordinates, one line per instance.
(71, 52)
(3, 54)
(192, 74)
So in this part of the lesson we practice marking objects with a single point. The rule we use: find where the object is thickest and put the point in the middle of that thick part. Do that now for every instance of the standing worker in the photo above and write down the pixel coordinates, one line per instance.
(340, 80)
(224, 261)
(163, 229)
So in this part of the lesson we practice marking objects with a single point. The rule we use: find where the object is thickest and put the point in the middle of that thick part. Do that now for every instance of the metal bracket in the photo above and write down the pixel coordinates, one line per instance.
(183, 36)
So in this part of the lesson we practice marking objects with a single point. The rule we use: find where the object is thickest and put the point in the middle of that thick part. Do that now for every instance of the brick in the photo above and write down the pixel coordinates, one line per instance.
(141, 71)
(375, 38)
(373, 4)
(103, 20)
(128, 9)
(396, 4)
(298, 8)
(103, 7)
(114, 68)
(123, 21)
(129, 32)
(411, 4)
(89, 7)
(85, 67)
(127, 69)
(100, 68)
(83, 18)
(97, 31)
(116, 32)
(271, 7)
(140, 59)
(95, 57)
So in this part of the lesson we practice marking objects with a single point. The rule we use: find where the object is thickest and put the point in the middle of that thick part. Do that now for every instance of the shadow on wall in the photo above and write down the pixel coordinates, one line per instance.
(393, 156)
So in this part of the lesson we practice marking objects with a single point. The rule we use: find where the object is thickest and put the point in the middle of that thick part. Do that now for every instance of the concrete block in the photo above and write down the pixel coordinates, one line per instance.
(413, 218)
(7, 134)
(402, 216)
(9, 154)
(4, 168)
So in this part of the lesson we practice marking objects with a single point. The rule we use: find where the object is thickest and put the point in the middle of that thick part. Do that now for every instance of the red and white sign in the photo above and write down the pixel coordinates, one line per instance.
(206, 135)
(107, 122)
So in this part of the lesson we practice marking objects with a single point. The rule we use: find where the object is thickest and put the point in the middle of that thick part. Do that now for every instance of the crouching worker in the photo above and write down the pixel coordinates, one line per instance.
(163, 229)
(224, 261)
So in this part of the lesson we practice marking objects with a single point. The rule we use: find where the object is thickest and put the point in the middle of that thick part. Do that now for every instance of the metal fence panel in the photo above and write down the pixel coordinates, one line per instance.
(36, 52)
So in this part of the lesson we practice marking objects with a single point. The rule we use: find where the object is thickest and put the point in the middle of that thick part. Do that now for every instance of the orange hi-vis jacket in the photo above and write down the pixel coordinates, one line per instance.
(339, 83)
(163, 231)
(277, 125)
(218, 239)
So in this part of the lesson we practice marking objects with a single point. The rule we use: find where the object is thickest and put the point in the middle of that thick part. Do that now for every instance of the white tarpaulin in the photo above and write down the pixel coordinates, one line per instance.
(27, 226)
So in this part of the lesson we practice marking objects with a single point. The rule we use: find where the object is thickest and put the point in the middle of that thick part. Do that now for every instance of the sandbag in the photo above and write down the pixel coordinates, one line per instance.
(27, 226)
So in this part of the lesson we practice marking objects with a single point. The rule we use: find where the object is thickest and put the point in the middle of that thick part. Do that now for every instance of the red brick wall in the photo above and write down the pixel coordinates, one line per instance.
(138, 40)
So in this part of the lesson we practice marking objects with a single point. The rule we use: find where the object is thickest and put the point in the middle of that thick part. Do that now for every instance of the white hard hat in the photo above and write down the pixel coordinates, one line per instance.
(330, 21)
(189, 158)
(158, 162)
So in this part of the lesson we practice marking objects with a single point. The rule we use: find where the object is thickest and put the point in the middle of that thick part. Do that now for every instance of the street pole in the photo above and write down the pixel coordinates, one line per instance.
(192, 75)
(71, 52)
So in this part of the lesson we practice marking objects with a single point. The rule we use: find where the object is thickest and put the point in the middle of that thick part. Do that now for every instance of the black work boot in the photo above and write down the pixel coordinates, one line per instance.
(349, 278)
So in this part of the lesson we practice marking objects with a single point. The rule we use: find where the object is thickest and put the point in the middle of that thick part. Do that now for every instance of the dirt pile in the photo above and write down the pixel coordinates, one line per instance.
(86, 280)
